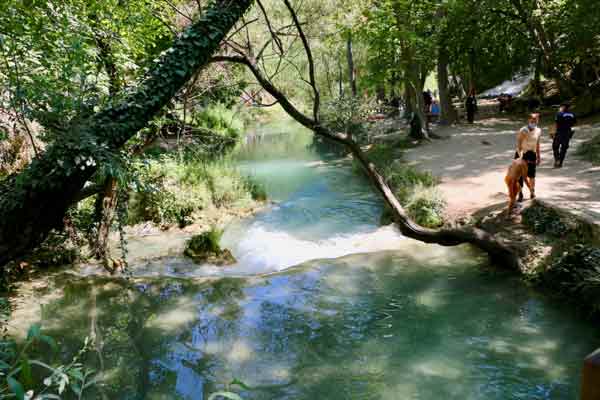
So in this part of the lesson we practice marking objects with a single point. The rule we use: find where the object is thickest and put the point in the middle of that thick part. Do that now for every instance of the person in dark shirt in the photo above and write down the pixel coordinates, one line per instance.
(427, 101)
(471, 106)
(564, 132)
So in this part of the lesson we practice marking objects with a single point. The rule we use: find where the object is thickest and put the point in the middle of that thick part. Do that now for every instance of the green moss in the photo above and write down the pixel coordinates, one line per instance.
(205, 247)
(207, 242)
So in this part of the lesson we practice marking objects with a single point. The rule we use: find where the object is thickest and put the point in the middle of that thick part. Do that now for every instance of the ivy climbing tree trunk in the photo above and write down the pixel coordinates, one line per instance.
(106, 201)
(35, 201)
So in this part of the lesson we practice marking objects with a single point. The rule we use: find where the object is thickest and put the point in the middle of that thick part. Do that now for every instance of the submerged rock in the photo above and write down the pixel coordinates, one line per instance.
(205, 248)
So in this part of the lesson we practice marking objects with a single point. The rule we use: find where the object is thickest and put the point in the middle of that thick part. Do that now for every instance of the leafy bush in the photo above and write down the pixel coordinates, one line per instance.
(257, 190)
(414, 189)
(576, 274)
(345, 114)
(168, 191)
(31, 378)
(543, 220)
(220, 119)
(404, 178)
(163, 194)
(425, 206)
(207, 242)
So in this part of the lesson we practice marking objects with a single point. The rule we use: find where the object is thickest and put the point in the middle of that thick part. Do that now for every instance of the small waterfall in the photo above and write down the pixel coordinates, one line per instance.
(262, 249)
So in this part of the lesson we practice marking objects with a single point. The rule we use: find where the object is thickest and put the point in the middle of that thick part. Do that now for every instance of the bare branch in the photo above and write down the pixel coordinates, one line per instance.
(273, 34)
(178, 11)
(311, 64)
(244, 25)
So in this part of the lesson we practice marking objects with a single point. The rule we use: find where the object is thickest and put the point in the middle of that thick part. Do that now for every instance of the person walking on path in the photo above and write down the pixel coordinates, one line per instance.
(564, 132)
(471, 106)
(528, 149)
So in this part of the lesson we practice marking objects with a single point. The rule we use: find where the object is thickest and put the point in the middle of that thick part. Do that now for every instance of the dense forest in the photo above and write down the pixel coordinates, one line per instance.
(116, 114)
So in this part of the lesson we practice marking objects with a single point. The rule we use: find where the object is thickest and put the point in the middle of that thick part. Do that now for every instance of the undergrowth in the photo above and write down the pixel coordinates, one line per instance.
(590, 150)
(415, 190)
(572, 270)
(168, 191)
(220, 119)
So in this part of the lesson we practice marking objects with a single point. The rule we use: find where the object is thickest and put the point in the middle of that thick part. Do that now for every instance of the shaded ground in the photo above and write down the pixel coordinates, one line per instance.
(471, 161)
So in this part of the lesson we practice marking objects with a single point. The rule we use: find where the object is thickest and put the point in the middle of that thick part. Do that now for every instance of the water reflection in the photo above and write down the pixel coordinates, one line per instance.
(380, 326)
(419, 322)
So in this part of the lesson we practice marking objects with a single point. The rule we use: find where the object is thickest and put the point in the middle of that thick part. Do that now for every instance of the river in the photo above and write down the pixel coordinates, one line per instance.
(322, 304)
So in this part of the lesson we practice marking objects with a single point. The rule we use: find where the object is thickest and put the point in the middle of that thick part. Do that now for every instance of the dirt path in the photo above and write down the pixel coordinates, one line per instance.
(471, 161)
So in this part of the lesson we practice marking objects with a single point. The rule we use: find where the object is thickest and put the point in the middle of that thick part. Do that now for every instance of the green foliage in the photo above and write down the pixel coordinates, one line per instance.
(426, 206)
(207, 242)
(576, 275)
(220, 119)
(169, 191)
(257, 190)
(590, 150)
(24, 377)
(544, 220)
(404, 178)
(346, 114)
(414, 189)
(205, 248)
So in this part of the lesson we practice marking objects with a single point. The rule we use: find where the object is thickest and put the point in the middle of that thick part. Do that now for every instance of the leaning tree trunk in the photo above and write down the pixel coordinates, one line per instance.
(106, 201)
(35, 201)
(448, 113)
(496, 248)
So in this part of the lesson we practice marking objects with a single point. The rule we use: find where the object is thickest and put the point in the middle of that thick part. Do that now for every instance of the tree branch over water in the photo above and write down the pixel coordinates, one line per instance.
(34, 201)
(498, 250)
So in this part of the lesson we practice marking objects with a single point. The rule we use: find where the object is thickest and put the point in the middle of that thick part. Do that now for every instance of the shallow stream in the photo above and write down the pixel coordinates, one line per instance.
(323, 304)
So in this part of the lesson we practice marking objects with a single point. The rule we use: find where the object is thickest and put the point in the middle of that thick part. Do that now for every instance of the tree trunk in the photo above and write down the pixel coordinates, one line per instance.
(408, 100)
(35, 201)
(351, 72)
(340, 80)
(448, 113)
(416, 93)
(498, 250)
(108, 204)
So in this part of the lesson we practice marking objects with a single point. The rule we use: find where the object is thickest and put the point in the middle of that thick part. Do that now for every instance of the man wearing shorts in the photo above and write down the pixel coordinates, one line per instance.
(528, 149)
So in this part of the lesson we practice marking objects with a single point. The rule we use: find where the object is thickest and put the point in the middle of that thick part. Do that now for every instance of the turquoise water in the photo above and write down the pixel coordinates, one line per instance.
(323, 304)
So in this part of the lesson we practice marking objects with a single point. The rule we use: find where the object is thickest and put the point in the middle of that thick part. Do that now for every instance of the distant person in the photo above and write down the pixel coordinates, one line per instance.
(435, 110)
(528, 149)
(471, 106)
(565, 120)
(515, 176)
(505, 101)
(427, 100)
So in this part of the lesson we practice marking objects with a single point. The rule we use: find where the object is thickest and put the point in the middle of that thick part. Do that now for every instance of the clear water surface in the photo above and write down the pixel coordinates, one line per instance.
(323, 304)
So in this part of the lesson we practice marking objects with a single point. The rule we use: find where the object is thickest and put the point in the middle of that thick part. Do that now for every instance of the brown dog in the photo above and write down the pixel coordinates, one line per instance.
(517, 170)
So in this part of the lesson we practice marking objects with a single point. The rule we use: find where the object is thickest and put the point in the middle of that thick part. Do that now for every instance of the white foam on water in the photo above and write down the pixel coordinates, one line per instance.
(263, 250)
(514, 87)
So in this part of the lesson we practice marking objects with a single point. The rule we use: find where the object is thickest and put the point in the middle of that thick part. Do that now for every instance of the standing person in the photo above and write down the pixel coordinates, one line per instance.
(435, 110)
(564, 132)
(427, 100)
(528, 149)
(471, 106)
